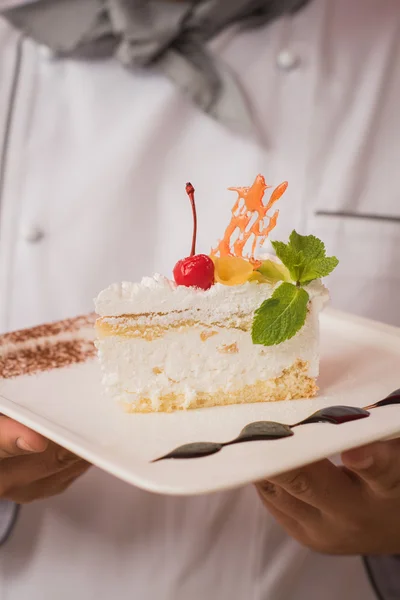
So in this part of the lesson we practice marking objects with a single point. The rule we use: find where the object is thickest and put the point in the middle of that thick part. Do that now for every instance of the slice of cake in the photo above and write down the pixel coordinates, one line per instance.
(229, 328)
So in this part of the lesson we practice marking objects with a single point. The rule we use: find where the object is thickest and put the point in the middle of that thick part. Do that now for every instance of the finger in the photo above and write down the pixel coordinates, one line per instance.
(24, 470)
(50, 486)
(16, 439)
(295, 527)
(321, 485)
(378, 465)
(296, 510)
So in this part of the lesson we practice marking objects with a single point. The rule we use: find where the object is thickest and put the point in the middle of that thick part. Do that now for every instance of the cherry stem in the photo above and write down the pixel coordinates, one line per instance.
(190, 193)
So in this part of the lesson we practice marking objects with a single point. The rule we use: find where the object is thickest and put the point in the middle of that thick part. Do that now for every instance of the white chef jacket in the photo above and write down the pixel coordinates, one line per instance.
(93, 161)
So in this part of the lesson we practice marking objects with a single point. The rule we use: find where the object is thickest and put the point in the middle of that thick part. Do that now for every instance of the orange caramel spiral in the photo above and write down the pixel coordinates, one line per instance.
(249, 221)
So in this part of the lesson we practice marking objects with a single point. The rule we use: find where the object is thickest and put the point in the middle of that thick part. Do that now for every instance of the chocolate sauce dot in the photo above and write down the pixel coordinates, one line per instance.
(262, 430)
(194, 450)
(393, 398)
(335, 415)
(270, 430)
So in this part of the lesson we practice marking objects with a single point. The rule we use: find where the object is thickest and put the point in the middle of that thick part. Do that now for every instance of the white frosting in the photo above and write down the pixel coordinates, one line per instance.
(180, 361)
(160, 295)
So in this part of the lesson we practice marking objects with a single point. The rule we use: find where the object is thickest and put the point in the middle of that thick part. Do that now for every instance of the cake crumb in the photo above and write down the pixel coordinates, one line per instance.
(207, 334)
(157, 371)
(229, 349)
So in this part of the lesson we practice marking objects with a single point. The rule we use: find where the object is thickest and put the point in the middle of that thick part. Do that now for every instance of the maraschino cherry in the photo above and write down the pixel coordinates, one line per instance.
(196, 270)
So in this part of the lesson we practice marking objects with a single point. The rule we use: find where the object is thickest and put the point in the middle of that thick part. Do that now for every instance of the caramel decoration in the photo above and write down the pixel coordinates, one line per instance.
(248, 205)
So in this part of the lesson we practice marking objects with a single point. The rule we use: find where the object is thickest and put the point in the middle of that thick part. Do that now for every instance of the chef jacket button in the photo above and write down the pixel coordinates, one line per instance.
(46, 52)
(286, 60)
(32, 233)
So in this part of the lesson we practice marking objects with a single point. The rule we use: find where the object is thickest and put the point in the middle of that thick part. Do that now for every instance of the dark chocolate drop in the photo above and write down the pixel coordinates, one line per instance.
(262, 430)
(335, 415)
(393, 398)
(194, 450)
(269, 430)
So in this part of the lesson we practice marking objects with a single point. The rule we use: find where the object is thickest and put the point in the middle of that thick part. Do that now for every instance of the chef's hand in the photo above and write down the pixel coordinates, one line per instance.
(31, 467)
(342, 510)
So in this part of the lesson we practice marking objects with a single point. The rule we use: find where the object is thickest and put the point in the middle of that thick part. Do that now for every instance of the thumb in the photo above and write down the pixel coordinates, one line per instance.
(378, 465)
(16, 439)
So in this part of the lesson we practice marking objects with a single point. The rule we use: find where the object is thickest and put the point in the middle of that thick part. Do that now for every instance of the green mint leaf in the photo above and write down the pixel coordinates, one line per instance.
(274, 271)
(280, 317)
(292, 259)
(309, 245)
(304, 257)
(285, 253)
(320, 267)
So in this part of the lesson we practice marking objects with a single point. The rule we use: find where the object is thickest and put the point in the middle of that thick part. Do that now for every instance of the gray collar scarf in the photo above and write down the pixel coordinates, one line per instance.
(169, 36)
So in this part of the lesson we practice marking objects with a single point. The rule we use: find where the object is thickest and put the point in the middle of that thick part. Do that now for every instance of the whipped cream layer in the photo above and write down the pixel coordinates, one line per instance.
(162, 296)
(184, 363)
(186, 360)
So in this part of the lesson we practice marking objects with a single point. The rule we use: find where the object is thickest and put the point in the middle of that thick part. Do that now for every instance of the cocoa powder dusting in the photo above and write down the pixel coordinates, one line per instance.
(48, 329)
(40, 348)
(45, 356)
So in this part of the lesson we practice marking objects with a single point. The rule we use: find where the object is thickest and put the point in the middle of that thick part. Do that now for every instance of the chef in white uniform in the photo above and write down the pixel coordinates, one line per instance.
(93, 162)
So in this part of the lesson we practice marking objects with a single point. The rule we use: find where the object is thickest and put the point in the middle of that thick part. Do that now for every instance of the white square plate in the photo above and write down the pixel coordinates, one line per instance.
(360, 364)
